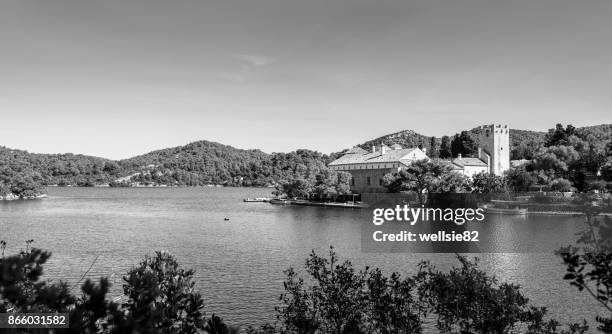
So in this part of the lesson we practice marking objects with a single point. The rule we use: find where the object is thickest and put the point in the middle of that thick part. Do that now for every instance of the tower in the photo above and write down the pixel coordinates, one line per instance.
(495, 147)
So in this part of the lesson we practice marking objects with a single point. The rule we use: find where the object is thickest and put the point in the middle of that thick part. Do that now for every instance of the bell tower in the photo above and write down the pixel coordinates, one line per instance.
(495, 147)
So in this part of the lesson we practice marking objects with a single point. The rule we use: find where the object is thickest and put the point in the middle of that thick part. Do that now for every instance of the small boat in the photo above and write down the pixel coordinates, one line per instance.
(280, 201)
(505, 207)
(257, 199)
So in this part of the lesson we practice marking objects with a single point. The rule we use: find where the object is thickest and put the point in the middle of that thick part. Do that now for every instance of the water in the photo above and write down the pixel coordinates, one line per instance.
(239, 263)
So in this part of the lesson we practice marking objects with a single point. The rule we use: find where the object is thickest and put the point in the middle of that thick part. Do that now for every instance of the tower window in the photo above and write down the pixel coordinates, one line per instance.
(368, 181)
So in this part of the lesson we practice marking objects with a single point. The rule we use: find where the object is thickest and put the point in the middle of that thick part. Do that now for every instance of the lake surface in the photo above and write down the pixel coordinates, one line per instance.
(239, 264)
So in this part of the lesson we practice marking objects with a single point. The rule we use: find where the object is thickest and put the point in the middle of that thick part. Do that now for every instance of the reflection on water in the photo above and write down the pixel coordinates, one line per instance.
(239, 264)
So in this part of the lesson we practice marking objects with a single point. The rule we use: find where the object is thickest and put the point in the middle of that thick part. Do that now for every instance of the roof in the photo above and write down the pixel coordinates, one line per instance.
(463, 162)
(356, 150)
(375, 157)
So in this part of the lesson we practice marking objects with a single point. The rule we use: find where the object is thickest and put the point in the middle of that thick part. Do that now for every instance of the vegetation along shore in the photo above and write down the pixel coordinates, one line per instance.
(563, 159)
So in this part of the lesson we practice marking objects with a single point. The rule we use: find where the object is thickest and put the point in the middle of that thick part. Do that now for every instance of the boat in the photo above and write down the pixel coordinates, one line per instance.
(280, 201)
(505, 207)
(303, 202)
(329, 204)
(257, 199)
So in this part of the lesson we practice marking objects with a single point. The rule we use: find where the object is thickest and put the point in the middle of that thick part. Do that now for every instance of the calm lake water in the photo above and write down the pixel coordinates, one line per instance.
(239, 264)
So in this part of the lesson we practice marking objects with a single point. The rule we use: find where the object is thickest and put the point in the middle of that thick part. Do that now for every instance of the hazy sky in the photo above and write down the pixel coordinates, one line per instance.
(116, 78)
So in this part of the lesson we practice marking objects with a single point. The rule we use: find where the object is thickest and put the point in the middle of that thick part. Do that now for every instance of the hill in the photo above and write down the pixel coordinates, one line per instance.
(205, 162)
(410, 138)
(69, 168)
(406, 138)
(523, 143)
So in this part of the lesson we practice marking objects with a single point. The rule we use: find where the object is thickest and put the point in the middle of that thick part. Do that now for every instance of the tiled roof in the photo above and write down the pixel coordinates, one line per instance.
(375, 157)
(469, 162)
(356, 150)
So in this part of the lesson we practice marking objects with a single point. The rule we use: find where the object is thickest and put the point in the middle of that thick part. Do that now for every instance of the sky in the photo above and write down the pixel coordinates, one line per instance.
(117, 78)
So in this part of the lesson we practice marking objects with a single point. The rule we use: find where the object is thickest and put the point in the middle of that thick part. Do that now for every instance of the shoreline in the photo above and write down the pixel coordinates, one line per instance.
(13, 197)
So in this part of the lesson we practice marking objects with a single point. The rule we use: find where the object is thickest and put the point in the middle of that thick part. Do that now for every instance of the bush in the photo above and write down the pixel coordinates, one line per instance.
(336, 298)
(561, 185)
(468, 300)
(343, 300)
(160, 296)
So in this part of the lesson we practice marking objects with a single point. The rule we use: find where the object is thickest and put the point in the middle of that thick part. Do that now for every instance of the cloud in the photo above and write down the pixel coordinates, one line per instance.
(255, 60)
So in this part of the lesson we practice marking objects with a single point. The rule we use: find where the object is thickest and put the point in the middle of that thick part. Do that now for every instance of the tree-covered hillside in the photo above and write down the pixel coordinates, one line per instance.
(23, 173)
(198, 163)
(523, 143)
(406, 138)
(465, 142)
(204, 162)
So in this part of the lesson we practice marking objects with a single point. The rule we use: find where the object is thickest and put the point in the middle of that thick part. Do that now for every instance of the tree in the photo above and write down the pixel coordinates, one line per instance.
(519, 179)
(561, 185)
(468, 300)
(445, 148)
(588, 262)
(426, 176)
(326, 182)
(343, 300)
(555, 158)
(215, 325)
(344, 183)
(485, 183)
(335, 297)
(463, 144)
(161, 296)
(300, 187)
(434, 150)
(559, 135)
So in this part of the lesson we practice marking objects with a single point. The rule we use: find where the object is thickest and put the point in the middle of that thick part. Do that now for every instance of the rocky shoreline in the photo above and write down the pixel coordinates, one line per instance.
(13, 197)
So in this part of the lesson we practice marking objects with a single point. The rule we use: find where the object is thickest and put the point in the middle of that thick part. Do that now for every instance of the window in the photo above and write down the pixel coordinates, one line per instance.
(352, 182)
(380, 182)
(368, 180)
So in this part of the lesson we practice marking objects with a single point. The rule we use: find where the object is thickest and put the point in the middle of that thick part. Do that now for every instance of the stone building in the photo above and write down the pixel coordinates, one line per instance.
(493, 152)
(469, 166)
(368, 168)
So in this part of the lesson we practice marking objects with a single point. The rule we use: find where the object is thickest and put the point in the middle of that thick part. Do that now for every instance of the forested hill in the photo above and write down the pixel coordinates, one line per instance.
(406, 138)
(23, 173)
(198, 163)
(523, 143)
(205, 162)
(409, 138)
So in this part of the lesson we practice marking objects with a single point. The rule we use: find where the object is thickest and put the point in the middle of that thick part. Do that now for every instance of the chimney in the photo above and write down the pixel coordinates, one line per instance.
(373, 148)
(479, 152)
(383, 149)
(459, 156)
(424, 149)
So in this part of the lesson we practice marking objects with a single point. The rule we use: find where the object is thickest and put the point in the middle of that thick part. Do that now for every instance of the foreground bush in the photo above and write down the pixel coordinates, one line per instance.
(334, 297)
(159, 297)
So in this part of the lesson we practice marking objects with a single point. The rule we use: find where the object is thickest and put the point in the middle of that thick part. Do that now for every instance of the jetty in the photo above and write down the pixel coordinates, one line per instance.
(303, 202)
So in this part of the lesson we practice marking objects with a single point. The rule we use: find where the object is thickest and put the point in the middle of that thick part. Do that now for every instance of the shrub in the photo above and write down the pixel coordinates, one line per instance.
(561, 185)
(344, 300)
(160, 296)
